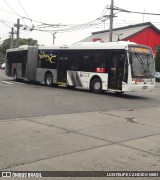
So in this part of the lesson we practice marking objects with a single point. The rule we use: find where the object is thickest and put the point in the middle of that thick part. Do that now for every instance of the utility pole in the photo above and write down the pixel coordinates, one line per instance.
(18, 27)
(111, 21)
(12, 34)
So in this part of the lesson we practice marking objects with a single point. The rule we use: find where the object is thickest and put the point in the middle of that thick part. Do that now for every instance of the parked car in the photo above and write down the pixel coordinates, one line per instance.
(3, 66)
(157, 76)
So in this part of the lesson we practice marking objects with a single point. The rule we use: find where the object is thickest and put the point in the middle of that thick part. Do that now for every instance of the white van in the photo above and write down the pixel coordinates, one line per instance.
(3, 66)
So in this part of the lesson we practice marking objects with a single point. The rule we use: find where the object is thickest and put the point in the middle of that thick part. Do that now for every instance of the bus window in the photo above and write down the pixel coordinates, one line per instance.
(24, 56)
(86, 61)
(100, 62)
(47, 59)
(74, 60)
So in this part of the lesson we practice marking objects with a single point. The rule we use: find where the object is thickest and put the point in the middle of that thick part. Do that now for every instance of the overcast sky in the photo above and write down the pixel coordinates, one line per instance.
(70, 13)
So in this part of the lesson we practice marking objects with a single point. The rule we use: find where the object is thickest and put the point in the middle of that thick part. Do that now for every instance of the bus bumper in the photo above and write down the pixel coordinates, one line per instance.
(138, 88)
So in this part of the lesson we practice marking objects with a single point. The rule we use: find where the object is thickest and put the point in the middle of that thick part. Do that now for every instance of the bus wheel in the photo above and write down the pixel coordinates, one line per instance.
(96, 86)
(55, 85)
(70, 87)
(119, 93)
(15, 75)
(48, 79)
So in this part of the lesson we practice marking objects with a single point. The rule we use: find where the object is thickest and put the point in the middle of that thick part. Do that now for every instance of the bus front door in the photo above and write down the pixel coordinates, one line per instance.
(62, 67)
(116, 70)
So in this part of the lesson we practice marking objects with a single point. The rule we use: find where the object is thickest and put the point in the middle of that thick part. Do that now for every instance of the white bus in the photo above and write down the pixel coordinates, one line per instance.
(116, 66)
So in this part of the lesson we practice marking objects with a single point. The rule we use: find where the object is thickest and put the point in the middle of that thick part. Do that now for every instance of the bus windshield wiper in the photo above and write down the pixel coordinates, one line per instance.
(142, 63)
(140, 60)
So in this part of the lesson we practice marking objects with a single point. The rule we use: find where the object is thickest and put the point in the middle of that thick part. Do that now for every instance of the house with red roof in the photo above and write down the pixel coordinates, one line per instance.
(143, 33)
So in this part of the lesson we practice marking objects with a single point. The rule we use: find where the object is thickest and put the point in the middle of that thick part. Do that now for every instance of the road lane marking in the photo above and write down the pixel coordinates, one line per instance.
(10, 83)
(6, 82)
(18, 83)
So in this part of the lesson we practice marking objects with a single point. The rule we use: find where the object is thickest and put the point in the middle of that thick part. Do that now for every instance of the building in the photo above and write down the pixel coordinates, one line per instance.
(143, 33)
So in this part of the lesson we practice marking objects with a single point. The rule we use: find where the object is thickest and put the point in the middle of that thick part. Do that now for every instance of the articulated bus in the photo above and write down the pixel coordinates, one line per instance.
(115, 66)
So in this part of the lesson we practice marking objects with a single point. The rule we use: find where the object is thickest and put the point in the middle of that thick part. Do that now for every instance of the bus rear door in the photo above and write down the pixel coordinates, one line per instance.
(62, 67)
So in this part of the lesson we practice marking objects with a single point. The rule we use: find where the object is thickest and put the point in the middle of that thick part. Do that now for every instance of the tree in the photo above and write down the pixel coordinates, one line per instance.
(6, 45)
(157, 60)
(1, 57)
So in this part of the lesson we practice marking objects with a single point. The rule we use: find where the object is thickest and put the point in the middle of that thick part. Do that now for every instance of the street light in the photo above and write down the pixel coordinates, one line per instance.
(118, 36)
(54, 37)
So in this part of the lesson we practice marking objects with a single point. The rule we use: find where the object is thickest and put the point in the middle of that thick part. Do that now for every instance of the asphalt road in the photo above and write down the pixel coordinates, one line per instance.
(56, 129)
(24, 99)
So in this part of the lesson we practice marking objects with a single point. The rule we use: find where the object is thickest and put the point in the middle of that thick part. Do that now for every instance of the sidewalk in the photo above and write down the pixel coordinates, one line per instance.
(126, 140)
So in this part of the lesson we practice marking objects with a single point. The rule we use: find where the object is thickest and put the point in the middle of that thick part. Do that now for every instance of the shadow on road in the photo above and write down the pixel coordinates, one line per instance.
(127, 95)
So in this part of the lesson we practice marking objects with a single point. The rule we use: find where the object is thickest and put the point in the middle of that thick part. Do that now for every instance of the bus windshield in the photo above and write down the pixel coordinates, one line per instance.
(142, 65)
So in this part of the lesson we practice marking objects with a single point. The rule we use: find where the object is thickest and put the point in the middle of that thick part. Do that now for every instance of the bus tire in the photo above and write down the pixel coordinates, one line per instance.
(119, 93)
(49, 79)
(70, 87)
(55, 85)
(96, 86)
(15, 75)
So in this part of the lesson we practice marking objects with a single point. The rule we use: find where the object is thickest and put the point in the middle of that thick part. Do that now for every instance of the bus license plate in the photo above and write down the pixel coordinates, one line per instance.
(145, 87)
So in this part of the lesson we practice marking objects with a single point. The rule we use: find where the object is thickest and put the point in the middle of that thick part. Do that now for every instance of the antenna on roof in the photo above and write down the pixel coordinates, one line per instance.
(118, 36)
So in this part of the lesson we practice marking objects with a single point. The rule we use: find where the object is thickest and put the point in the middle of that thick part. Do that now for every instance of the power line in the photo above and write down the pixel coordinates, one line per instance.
(77, 27)
(32, 20)
(1, 35)
(42, 27)
(23, 8)
(155, 14)
(4, 23)
(103, 17)
(8, 11)
(60, 28)
(127, 11)
(7, 22)
(11, 8)
(25, 12)
(68, 29)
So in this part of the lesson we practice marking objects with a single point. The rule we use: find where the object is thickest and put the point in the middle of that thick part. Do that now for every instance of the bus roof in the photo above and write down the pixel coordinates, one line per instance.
(83, 45)
(92, 45)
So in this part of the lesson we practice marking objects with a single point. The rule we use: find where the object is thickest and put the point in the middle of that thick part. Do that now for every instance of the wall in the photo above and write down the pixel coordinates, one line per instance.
(148, 37)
